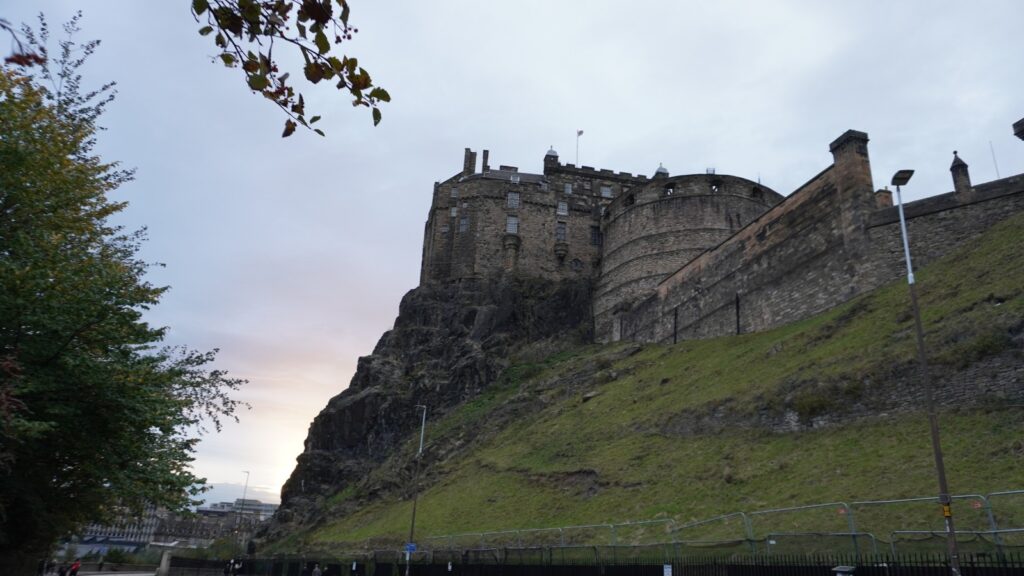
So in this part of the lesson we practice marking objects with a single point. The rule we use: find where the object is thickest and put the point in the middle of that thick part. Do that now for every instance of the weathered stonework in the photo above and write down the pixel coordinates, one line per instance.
(704, 255)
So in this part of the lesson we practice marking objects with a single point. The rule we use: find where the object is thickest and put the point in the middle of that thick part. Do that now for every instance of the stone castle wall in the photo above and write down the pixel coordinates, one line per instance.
(936, 226)
(698, 256)
(826, 243)
(651, 233)
(558, 216)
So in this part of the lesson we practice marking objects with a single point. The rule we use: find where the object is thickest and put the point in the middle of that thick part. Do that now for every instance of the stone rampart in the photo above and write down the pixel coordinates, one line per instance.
(651, 232)
(936, 226)
(824, 244)
(796, 259)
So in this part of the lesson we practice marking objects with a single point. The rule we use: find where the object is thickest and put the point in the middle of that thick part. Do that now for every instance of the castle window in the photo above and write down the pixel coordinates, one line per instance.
(670, 190)
(568, 189)
(560, 231)
(455, 192)
(595, 235)
(463, 224)
(758, 193)
(511, 224)
(586, 185)
(444, 230)
(563, 209)
(606, 191)
(630, 200)
(453, 211)
(514, 178)
(716, 185)
(513, 200)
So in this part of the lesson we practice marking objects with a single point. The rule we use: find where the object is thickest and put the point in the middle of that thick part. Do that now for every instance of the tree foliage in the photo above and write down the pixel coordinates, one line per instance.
(95, 416)
(246, 32)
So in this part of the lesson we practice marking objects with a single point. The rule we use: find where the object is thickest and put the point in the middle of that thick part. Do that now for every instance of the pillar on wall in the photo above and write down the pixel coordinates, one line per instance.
(851, 174)
(850, 151)
(510, 246)
(883, 198)
(961, 179)
(851, 171)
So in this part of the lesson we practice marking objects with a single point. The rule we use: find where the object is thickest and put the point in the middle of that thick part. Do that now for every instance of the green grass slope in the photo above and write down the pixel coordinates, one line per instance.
(799, 415)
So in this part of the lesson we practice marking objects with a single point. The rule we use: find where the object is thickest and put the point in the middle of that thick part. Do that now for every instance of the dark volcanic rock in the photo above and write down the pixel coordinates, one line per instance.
(449, 342)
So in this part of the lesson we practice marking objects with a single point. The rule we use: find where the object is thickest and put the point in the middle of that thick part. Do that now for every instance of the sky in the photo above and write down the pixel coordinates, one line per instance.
(291, 255)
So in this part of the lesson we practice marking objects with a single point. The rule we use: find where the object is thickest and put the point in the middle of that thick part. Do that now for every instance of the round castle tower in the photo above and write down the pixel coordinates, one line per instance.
(652, 231)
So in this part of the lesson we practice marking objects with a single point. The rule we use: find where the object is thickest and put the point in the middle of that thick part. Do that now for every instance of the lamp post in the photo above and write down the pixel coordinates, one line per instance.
(900, 179)
(238, 522)
(415, 495)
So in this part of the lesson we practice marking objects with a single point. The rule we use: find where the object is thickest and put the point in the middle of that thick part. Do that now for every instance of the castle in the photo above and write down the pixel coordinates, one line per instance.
(699, 255)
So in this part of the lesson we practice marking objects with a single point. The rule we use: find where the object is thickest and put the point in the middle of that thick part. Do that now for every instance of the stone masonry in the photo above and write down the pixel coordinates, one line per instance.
(699, 255)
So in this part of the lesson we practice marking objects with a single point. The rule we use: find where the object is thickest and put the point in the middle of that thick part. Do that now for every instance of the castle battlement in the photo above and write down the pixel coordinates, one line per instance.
(697, 255)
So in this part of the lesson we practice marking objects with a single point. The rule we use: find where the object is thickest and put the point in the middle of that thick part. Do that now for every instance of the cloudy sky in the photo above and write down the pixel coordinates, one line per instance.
(291, 255)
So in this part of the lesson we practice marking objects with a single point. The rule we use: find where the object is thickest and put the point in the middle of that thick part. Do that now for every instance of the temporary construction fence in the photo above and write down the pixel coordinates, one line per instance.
(638, 564)
(988, 523)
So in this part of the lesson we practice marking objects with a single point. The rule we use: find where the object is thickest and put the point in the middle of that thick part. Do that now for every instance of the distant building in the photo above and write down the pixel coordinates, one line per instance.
(128, 533)
(247, 507)
(159, 527)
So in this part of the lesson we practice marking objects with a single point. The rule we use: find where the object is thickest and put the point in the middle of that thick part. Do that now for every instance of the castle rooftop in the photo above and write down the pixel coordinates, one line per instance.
(507, 175)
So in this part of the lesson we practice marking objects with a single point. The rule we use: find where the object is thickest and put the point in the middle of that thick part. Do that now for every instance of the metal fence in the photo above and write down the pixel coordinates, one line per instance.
(993, 521)
(537, 562)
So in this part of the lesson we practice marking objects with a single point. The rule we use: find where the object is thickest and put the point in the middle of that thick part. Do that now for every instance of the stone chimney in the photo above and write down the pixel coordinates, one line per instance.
(468, 162)
(485, 167)
(961, 179)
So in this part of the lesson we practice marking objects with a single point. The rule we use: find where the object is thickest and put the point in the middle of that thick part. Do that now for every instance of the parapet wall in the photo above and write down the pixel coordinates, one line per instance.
(795, 260)
(704, 255)
(936, 226)
(650, 233)
(824, 244)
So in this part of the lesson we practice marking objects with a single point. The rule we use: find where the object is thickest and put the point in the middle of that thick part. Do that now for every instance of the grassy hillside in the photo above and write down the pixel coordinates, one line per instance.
(812, 412)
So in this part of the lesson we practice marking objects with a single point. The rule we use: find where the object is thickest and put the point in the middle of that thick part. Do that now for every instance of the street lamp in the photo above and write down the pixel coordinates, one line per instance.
(409, 546)
(238, 522)
(900, 179)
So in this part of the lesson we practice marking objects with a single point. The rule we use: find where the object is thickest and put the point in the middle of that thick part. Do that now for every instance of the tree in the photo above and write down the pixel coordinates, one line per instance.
(95, 416)
(246, 31)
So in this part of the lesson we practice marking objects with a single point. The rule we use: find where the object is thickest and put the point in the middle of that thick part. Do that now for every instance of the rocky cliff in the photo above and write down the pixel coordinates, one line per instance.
(449, 343)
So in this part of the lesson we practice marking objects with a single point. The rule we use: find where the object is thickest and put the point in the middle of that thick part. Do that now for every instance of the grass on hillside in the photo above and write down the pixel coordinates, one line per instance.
(536, 454)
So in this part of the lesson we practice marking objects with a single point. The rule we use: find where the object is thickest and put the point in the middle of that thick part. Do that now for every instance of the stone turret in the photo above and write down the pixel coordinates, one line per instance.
(550, 160)
(961, 179)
